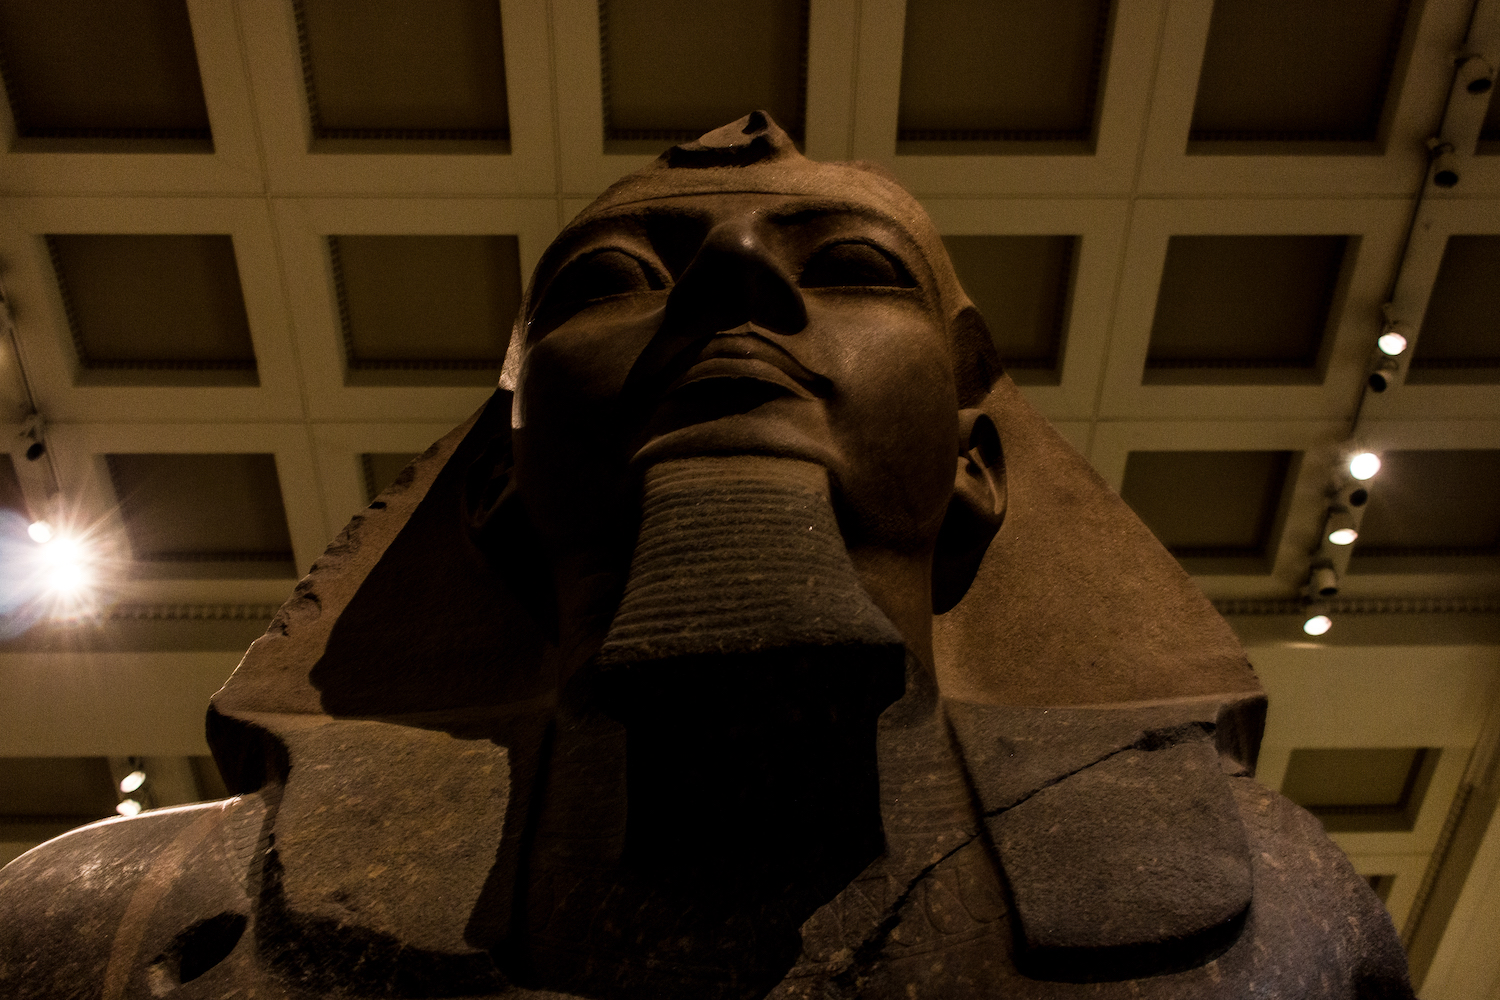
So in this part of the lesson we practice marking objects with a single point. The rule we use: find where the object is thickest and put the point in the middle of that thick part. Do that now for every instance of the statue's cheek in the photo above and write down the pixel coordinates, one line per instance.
(895, 419)
(585, 362)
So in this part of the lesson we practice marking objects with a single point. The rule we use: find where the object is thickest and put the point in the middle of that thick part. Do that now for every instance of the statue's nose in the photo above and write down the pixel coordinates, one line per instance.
(735, 279)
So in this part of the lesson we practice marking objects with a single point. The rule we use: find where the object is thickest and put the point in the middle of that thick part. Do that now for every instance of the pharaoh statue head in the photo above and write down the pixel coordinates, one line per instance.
(757, 638)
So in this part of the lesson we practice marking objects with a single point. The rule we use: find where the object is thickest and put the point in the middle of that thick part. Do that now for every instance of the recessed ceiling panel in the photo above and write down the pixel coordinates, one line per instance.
(427, 303)
(102, 69)
(11, 497)
(674, 69)
(155, 303)
(381, 469)
(1290, 70)
(1245, 302)
(39, 789)
(393, 69)
(1020, 284)
(1432, 503)
(1460, 336)
(1362, 789)
(193, 508)
(1208, 504)
(1024, 70)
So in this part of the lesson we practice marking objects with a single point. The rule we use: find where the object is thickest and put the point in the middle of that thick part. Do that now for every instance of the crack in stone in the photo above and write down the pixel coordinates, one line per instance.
(1152, 739)
(868, 950)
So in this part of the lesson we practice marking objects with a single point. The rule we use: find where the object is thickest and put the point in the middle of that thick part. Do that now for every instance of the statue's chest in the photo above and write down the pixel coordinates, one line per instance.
(941, 931)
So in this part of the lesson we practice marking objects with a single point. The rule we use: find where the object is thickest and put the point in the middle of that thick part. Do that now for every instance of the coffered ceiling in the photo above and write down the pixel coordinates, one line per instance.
(259, 253)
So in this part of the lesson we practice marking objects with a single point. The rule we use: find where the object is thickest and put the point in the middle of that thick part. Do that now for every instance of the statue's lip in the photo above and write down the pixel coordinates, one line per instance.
(747, 356)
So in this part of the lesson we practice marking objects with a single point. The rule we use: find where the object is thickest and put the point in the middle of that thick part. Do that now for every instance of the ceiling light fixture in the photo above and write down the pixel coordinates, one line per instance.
(1317, 621)
(1340, 528)
(1391, 341)
(1444, 164)
(1387, 373)
(1364, 465)
(135, 779)
(1324, 581)
(128, 807)
(51, 570)
(67, 570)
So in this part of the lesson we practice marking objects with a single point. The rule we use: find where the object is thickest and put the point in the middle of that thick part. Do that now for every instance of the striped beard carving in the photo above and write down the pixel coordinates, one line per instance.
(739, 554)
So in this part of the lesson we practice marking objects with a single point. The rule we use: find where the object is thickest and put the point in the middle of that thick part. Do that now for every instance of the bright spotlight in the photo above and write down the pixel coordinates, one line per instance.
(66, 571)
(51, 570)
(135, 779)
(1340, 528)
(69, 579)
(1317, 624)
(1391, 343)
(129, 807)
(61, 550)
(1364, 465)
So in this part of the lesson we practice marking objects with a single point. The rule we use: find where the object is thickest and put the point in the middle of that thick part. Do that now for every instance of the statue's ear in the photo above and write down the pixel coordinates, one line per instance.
(975, 512)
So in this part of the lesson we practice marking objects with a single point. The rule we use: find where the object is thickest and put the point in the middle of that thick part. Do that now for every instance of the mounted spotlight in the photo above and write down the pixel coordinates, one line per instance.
(1364, 465)
(1386, 375)
(1316, 620)
(67, 569)
(1444, 171)
(51, 569)
(1391, 341)
(135, 779)
(1324, 582)
(128, 807)
(1341, 528)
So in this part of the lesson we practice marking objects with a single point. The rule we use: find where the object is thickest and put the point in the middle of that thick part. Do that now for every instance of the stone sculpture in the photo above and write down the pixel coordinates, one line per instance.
(757, 639)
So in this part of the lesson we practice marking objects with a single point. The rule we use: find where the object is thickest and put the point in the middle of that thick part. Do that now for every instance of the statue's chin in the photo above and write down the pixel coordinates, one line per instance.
(776, 426)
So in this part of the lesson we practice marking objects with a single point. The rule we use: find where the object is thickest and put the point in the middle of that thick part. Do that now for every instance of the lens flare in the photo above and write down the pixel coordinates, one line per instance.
(53, 570)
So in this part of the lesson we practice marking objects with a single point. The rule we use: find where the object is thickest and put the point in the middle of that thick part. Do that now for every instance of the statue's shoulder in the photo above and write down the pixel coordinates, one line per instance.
(1311, 908)
(84, 908)
(1133, 846)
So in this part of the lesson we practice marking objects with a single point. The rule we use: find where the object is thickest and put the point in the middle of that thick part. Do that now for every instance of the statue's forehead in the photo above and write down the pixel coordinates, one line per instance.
(774, 206)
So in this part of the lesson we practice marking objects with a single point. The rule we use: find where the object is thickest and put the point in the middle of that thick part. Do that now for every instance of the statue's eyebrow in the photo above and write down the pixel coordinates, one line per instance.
(636, 225)
(835, 211)
(805, 212)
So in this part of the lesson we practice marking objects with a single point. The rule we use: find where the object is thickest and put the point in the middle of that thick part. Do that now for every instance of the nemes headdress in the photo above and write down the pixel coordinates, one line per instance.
(1075, 603)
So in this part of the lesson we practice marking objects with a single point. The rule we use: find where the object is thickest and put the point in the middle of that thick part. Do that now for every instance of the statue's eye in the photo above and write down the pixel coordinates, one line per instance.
(589, 279)
(843, 265)
(606, 273)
